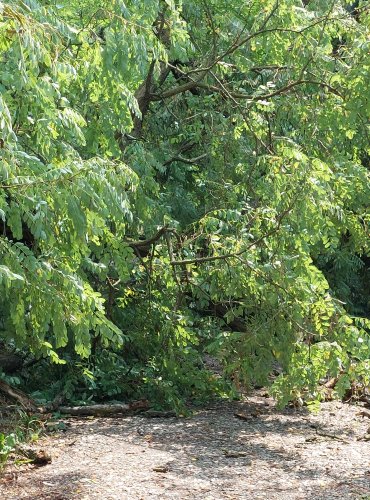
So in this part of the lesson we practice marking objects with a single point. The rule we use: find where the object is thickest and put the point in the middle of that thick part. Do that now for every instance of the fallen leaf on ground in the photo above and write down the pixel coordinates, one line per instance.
(161, 468)
(242, 416)
(234, 454)
(364, 413)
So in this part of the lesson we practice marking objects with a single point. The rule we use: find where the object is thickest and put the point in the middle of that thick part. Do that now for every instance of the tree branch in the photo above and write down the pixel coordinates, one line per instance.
(188, 161)
(149, 241)
(272, 231)
(238, 95)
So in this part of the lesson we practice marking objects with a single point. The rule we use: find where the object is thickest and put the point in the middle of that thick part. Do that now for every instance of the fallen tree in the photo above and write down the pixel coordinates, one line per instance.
(97, 410)
(105, 410)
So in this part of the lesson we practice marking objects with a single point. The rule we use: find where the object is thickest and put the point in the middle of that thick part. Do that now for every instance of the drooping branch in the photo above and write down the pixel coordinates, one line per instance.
(149, 90)
(142, 247)
(202, 71)
(239, 95)
(144, 95)
(274, 230)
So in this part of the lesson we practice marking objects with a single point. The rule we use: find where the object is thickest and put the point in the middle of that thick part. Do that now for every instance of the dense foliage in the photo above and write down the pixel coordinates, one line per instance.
(182, 178)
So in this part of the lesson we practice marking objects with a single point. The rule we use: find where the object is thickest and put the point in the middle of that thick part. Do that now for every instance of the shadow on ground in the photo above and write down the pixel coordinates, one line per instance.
(64, 486)
(276, 450)
(271, 453)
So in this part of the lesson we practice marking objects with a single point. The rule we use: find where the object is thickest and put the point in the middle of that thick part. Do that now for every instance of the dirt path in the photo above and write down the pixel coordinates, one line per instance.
(214, 455)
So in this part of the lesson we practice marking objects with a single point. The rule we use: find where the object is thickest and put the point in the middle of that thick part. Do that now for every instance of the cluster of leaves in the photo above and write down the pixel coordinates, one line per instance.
(7, 445)
(240, 131)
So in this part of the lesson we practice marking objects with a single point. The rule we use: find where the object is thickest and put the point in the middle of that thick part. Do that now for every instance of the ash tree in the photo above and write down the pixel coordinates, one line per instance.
(181, 178)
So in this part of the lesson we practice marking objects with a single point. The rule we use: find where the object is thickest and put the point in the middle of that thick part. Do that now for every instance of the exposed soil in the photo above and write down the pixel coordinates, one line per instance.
(271, 454)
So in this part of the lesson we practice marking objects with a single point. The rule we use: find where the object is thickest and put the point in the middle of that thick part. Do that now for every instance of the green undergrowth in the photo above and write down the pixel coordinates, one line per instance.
(108, 377)
(17, 428)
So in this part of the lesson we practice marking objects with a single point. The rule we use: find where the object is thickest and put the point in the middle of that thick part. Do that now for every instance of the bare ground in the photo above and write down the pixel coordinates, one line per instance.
(270, 454)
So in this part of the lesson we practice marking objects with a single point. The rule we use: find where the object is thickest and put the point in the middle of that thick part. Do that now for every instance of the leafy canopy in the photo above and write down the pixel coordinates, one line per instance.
(240, 132)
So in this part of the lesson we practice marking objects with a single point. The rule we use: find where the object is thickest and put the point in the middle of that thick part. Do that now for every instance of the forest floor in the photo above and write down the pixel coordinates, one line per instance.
(262, 453)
